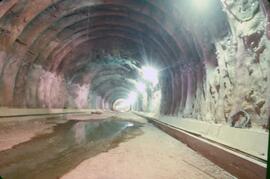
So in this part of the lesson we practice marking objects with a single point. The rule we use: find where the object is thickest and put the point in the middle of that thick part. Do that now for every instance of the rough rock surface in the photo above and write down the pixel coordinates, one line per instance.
(240, 82)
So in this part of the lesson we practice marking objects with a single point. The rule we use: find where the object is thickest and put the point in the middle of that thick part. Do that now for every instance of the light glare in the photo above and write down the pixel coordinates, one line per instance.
(130, 124)
(200, 5)
(141, 87)
(150, 74)
(132, 97)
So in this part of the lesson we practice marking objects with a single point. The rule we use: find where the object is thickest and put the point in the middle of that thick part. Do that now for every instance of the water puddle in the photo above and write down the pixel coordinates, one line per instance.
(52, 155)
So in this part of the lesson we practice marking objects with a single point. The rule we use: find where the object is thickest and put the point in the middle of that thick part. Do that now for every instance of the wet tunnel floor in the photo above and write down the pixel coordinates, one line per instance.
(109, 149)
(52, 155)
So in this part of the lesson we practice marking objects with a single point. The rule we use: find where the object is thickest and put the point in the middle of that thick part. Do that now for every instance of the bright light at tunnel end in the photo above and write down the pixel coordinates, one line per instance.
(124, 105)
(150, 74)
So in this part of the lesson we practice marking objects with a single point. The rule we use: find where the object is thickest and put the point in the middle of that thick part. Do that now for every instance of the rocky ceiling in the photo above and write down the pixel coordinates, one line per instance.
(89, 53)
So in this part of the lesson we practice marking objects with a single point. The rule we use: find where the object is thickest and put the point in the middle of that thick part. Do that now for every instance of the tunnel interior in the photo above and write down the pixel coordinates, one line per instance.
(200, 60)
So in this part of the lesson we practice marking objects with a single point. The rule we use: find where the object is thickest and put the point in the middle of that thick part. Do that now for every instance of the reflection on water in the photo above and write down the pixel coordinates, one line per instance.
(52, 155)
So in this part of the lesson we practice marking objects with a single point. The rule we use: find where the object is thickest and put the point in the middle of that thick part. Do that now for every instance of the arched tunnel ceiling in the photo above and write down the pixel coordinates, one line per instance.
(64, 53)
(73, 39)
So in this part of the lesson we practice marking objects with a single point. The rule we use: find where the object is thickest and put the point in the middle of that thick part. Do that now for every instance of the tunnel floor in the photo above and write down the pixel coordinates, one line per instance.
(107, 149)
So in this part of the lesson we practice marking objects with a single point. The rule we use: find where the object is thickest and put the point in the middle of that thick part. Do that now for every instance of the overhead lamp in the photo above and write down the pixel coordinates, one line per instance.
(150, 74)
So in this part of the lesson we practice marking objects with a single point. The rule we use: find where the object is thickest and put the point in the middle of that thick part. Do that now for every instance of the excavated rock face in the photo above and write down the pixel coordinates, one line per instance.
(240, 82)
(213, 64)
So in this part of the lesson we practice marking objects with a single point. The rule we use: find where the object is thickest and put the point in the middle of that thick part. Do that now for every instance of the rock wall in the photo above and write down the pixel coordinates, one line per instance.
(79, 95)
(51, 90)
(237, 90)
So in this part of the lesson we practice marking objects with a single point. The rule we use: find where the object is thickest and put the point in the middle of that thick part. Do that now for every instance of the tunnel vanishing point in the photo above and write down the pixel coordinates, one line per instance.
(202, 66)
